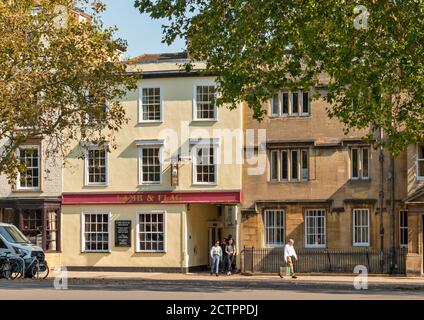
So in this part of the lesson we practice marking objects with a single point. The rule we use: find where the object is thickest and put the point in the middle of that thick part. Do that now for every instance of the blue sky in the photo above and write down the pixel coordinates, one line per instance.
(143, 34)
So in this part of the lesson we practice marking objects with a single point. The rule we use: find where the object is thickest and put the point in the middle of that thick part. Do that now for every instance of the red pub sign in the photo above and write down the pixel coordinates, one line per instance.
(151, 197)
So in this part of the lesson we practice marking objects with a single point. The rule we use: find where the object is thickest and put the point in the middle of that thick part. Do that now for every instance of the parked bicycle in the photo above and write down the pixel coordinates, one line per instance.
(31, 268)
(9, 267)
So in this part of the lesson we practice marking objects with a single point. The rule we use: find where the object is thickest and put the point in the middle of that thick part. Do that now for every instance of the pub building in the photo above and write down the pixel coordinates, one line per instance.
(152, 204)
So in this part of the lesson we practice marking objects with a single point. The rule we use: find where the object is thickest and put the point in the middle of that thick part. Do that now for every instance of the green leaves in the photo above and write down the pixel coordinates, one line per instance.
(46, 73)
(257, 47)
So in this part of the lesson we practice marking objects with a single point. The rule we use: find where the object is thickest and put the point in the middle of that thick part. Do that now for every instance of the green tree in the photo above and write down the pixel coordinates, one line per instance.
(60, 78)
(370, 57)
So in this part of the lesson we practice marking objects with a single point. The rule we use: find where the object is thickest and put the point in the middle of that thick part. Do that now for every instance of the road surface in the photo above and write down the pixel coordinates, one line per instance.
(241, 288)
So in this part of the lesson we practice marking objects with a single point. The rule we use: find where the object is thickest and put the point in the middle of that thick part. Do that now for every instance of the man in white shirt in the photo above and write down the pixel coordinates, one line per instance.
(289, 255)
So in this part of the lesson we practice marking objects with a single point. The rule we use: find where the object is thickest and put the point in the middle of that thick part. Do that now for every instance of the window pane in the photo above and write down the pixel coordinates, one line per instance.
(284, 165)
(274, 227)
(205, 102)
(305, 103)
(151, 104)
(150, 165)
(295, 103)
(274, 165)
(365, 163)
(294, 164)
(304, 167)
(285, 103)
(275, 105)
(151, 233)
(355, 164)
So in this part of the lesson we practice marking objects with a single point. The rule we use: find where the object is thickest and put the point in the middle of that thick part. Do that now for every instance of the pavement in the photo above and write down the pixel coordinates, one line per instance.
(200, 286)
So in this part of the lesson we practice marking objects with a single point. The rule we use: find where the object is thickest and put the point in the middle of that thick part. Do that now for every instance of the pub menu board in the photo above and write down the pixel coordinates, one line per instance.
(123, 233)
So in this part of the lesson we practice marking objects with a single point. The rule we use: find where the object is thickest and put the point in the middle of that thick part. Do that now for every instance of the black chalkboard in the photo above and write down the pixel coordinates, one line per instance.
(123, 233)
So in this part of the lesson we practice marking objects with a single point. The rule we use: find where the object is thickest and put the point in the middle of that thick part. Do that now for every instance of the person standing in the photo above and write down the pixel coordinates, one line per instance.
(230, 253)
(224, 260)
(289, 255)
(216, 254)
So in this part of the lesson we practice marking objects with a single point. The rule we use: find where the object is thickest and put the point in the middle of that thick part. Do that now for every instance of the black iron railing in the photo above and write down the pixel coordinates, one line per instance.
(338, 260)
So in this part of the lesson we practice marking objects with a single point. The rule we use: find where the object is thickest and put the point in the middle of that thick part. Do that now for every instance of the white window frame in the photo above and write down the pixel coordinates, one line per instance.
(83, 214)
(324, 217)
(360, 163)
(368, 226)
(267, 243)
(206, 84)
(87, 182)
(140, 102)
(194, 162)
(165, 230)
(403, 245)
(18, 179)
(140, 164)
(419, 178)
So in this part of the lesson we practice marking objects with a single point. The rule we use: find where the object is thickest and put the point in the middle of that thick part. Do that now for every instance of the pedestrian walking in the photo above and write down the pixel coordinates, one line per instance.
(289, 255)
(230, 253)
(216, 254)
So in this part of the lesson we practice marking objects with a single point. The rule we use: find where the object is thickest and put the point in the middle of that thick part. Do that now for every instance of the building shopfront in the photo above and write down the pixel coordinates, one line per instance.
(152, 231)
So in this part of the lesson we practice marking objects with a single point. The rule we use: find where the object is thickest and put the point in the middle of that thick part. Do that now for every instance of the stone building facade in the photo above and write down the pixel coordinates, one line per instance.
(320, 185)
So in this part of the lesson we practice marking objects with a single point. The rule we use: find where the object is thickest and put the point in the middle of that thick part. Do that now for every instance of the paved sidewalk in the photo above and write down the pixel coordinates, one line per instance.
(325, 278)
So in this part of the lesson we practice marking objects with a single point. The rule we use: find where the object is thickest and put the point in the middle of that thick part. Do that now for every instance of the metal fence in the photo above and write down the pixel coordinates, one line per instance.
(340, 260)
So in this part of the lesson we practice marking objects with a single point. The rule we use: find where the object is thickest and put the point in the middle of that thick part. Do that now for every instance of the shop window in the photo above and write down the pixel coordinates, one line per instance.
(32, 226)
(361, 227)
(151, 105)
(29, 156)
(315, 228)
(274, 227)
(6, 215)
(151, 231)
(95, 233)
(204, 103)
(403, 228)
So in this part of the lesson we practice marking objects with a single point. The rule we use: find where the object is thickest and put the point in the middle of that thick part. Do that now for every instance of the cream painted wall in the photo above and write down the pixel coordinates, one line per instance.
(197, 233)
(121, 257)
(177, 94)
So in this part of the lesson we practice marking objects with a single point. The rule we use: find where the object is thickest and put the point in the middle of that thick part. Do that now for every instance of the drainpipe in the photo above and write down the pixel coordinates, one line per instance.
(392, 212)
(381, 201)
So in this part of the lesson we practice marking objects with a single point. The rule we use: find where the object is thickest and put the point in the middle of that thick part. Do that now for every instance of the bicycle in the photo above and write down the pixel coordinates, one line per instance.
(33, 269)
(9, 268)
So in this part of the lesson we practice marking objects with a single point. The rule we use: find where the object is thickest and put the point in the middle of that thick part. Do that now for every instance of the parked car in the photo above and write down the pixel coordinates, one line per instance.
(12, 241)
